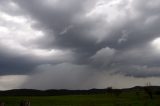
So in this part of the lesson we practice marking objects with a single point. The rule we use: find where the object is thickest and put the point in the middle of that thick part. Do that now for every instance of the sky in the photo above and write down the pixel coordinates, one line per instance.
(79, 44)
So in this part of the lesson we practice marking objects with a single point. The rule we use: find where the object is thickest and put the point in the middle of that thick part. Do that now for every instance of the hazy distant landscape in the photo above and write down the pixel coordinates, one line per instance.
(137, 96)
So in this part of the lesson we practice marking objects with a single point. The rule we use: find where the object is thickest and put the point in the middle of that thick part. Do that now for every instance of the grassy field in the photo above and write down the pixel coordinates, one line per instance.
(124, 99)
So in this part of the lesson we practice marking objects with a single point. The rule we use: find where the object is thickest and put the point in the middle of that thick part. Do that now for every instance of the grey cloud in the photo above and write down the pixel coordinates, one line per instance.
(79, 39)
(13, 63)
(116, 41)
(131, 32)
(70, 76)
(143, 71)
(10, 7)
(104, 57)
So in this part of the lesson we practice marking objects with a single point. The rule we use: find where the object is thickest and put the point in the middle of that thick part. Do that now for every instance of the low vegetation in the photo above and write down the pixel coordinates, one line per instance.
(137, 96)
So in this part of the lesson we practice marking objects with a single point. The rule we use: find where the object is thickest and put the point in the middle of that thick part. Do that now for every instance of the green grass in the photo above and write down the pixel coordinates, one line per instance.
(124, 99)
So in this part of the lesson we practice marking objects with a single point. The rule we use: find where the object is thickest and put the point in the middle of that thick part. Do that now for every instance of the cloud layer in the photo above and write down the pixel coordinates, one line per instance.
(73, 43)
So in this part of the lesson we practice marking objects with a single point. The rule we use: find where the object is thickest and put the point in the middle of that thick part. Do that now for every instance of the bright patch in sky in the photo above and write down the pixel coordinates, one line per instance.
(15, 19)
(17, 34)
(11, 81)
(108, 9)
(41, 52)
(156, 44)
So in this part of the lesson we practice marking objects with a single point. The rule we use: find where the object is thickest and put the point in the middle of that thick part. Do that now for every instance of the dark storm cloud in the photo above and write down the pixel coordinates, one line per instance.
(115, 37)
(70, 29)
(58, 18)
(13, 64)
(62, 15)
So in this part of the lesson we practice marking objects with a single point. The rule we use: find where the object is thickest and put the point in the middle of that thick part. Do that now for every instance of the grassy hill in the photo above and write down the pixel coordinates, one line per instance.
(136, 96)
